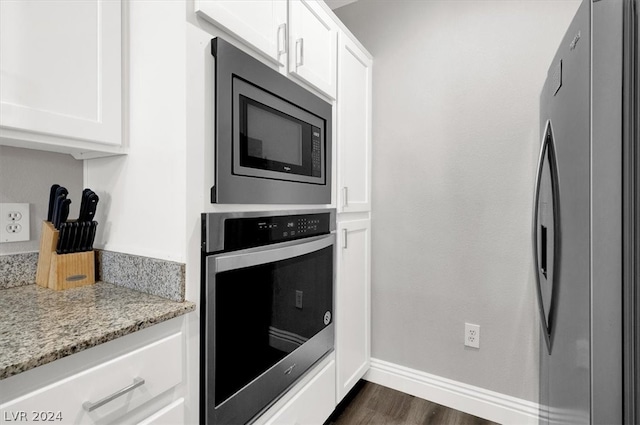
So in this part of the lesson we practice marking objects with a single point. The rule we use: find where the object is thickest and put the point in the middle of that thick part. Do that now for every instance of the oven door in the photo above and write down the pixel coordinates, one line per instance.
(268, 319)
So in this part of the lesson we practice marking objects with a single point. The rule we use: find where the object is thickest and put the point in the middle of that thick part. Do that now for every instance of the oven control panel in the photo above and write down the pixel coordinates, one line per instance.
(248, 232)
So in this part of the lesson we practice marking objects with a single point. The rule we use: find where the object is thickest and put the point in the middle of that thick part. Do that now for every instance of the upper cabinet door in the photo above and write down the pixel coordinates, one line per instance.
(354, 127)
(312, 45)
(261, 23)
(60, 73)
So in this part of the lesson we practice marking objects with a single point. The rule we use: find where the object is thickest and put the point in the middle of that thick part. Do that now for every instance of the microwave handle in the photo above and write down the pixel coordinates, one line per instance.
(270, 254)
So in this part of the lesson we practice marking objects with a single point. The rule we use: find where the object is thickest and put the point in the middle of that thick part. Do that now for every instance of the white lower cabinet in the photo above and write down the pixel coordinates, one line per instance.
(353, 300)
(313, 404)
(119, 390)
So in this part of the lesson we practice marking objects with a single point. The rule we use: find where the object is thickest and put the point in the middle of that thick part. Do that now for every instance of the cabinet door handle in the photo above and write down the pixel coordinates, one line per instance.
(344, 238)
(89, 407)
(299, 52)
(282, 29)
(345, 196)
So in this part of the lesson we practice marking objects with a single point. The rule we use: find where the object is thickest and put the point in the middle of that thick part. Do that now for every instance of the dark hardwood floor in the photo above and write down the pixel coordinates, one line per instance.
(373, 404)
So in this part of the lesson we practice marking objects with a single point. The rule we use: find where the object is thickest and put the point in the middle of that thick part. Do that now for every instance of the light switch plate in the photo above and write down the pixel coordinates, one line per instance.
(14, 222)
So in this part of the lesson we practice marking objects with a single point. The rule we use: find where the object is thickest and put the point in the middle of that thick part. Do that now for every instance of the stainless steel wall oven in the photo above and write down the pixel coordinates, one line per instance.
(267, 307)
(273, 137)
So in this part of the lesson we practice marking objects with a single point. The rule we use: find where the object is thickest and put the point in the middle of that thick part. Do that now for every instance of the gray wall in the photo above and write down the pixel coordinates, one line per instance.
(455, 134)
(26, 176)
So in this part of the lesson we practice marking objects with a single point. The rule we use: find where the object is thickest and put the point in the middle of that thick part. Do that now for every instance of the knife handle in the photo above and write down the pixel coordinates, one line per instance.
(64, 212)
(52, 199)
(57, 211)
(75, 243)
(90, 210)
(85, 228)
(60, 248)
(83, 203)
(61, 190)
(92, 237)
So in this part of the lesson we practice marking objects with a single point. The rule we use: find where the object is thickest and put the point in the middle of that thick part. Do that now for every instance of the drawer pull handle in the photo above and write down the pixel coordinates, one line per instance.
(89, 407)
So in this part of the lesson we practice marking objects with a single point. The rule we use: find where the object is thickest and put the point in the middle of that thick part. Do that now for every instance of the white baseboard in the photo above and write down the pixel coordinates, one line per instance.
(466, 398)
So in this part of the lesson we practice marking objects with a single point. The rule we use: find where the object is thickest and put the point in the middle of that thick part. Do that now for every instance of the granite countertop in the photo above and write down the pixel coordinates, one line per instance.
(39, 325)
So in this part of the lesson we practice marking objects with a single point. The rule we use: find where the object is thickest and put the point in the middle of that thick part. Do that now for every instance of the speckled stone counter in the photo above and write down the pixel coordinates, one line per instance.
(39, 325)
(18, 269)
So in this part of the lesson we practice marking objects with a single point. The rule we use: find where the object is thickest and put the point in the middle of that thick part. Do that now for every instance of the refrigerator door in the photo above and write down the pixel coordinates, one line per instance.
(565, 355)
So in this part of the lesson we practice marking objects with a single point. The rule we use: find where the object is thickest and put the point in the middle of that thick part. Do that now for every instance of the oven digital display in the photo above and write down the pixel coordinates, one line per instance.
(251, 232)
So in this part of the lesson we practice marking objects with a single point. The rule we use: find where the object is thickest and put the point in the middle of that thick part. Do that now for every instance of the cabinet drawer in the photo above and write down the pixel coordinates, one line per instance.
(313, 404)
(69, 400)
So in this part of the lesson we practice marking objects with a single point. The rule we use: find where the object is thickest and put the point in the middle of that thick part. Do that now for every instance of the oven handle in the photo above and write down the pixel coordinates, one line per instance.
(271, 253)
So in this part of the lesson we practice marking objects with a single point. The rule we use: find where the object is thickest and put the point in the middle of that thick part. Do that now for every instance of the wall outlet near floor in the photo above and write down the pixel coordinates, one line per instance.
(472, 335)
(14, 222)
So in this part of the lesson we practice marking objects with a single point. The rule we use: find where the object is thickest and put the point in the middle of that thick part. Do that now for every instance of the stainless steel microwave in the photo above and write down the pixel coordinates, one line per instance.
(273, 137)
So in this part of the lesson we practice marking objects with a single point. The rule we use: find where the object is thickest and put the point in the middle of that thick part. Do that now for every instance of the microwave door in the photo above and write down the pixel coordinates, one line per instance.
(274, 139)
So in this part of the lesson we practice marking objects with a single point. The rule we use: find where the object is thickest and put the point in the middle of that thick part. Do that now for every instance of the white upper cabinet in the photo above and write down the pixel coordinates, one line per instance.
(61, 76)
(354, 127)
(300, 36)
(312, 45)
(261, 23)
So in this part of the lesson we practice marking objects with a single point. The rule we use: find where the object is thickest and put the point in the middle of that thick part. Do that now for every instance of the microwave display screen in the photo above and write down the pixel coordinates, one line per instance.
(272, 140)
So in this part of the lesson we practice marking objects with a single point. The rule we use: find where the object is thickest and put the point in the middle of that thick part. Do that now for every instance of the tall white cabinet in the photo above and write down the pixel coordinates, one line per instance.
(61, 76)
(353, 286)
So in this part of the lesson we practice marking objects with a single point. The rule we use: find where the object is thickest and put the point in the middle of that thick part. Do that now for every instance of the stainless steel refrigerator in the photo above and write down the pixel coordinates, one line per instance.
(585, 220)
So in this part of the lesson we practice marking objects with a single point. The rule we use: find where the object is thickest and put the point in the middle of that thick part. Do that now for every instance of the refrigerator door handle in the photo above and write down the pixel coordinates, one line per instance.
(547, 150)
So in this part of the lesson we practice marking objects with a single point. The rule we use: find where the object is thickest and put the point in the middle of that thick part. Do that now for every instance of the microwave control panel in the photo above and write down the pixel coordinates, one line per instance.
(254, 231)
(316, 152)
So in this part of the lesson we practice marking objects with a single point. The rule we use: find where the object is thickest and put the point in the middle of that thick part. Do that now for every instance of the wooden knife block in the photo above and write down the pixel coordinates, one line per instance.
(62, 271)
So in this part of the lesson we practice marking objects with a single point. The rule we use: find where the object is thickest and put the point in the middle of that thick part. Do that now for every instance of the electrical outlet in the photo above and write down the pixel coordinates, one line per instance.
(472, 335)
(14, 222)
